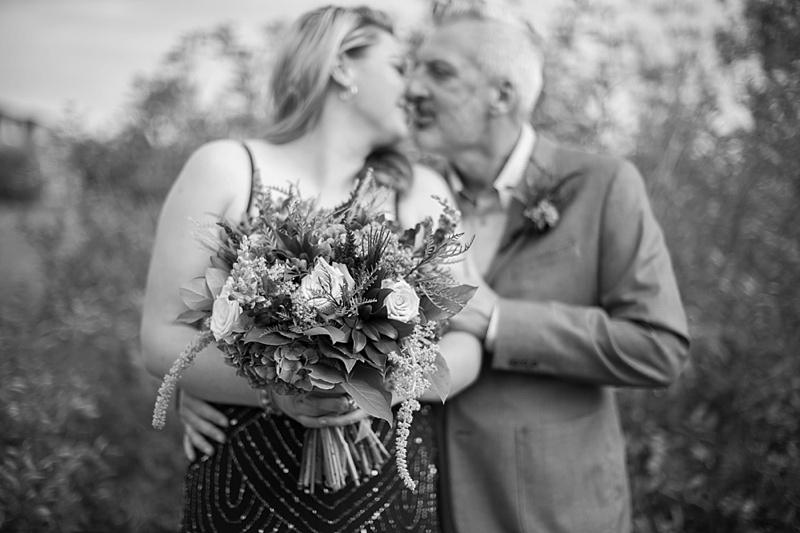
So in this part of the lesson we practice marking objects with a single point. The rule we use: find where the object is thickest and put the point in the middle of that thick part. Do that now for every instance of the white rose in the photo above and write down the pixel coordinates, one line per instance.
(403, 302)
(224, 315)
(327, 280)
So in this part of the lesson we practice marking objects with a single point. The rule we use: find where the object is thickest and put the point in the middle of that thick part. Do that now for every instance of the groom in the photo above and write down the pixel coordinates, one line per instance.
(576, 294)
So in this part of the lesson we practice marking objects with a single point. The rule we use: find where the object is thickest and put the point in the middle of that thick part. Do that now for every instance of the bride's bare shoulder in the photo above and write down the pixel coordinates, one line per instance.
(213, 174)
(216, 164)
(427, 181)
(424, 197)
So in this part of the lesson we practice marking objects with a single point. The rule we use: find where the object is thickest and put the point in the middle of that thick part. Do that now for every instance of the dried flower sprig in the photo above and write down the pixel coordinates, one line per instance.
(168, 386)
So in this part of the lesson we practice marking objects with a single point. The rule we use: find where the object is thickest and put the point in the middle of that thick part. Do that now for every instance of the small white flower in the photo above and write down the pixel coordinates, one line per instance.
(402, 303)
(326, 282)
(544, 215)
(224, 315)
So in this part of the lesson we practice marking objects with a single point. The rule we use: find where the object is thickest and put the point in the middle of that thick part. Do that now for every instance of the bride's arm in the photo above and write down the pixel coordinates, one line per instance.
(214, 181)
(462, 351)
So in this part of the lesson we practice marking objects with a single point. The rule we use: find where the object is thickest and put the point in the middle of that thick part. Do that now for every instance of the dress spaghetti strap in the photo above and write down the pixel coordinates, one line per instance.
(253, 170)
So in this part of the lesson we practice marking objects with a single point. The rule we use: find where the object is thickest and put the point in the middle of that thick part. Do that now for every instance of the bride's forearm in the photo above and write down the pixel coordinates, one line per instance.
(211, 379)
(462, 352)
(208, 377)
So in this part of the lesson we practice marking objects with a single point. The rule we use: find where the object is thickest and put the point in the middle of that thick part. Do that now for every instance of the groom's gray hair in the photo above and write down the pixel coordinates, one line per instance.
(514, 53)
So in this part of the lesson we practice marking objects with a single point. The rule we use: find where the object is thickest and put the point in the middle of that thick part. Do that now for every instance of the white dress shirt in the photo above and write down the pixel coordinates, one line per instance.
(487, 213)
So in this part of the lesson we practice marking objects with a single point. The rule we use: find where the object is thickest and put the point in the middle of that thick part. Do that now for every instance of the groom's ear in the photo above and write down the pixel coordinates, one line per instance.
(504, 98)
(342, 72)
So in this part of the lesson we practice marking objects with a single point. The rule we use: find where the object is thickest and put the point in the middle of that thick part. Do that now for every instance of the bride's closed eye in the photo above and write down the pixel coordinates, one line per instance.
(401, 65)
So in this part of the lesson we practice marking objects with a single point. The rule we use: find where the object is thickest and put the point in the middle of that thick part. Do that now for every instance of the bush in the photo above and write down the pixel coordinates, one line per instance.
(78, 451)
(20, 178)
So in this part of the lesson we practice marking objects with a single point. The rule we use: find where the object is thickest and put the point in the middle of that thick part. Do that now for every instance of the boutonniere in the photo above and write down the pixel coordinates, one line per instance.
(545, 201)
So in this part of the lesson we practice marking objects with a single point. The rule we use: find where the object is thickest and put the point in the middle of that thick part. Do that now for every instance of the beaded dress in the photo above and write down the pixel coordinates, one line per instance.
(250, 483)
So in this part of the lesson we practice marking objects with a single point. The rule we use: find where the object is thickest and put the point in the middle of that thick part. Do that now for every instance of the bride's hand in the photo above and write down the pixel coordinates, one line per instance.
(343, 419)
(350, 415)
(201, 422)
(318, 409)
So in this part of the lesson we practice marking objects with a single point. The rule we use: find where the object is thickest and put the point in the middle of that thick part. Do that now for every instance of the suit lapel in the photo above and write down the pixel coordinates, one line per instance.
(542, 159)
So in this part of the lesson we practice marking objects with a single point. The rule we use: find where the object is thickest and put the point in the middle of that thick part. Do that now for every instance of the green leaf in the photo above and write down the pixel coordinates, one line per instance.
(333, 332)
(325, 373)
(268, 339)
(292, 245)
(448, 303)
(196, 296)
(367, 388)
(215, 279)
(386, 346)
(359, 341)
(216, 262)
(328, 349)
(462, 293)
(440, 378)
(385, 328)
(374, 356)
(403, 329)
(333, 352)
(434, 311)
(190, 317)
(370, 331)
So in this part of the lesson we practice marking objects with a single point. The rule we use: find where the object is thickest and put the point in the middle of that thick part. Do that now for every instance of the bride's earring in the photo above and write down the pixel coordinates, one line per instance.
(348, 93)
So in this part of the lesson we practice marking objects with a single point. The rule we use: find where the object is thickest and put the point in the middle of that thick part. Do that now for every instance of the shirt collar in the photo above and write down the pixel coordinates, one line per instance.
(514, 168)
(512, 172)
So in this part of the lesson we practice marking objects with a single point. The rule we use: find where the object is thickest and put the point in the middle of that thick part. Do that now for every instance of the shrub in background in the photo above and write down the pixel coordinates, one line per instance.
(78, 451)
(20, 178)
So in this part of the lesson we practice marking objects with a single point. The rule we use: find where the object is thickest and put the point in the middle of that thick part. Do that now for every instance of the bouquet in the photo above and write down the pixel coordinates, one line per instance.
(300, 298)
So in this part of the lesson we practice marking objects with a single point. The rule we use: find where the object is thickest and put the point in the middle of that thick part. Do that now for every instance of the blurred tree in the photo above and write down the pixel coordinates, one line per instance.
(210, 85)
(210, 82)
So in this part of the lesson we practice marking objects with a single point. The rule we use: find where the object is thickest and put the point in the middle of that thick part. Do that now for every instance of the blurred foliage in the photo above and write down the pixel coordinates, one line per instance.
(715, 135)
(77, 453)
(703, 96)
(20, 179)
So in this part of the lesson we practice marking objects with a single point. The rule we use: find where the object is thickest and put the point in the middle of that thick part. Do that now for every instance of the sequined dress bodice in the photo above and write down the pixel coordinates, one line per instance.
(250, 483)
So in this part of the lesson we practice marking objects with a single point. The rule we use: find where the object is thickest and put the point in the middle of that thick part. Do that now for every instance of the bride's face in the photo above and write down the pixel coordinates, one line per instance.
(380, 77)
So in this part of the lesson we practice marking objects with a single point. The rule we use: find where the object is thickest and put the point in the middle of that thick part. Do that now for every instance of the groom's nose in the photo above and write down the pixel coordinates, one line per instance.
(415, 90)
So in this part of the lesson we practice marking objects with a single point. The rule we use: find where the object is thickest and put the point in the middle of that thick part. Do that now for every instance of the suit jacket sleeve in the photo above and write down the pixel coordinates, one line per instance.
(636, 334)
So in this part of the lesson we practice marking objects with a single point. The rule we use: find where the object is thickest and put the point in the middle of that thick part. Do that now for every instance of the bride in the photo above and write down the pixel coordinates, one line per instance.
(337, 86)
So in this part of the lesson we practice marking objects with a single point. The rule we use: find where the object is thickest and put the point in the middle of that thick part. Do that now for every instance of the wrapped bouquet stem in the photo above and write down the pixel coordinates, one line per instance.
(333, 456)
(298, 299)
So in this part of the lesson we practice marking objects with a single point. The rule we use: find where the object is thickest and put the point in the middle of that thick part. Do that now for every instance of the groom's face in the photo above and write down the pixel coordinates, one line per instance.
(448, 92)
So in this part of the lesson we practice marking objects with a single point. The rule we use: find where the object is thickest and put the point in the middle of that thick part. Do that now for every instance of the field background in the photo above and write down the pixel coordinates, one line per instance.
(704, 96)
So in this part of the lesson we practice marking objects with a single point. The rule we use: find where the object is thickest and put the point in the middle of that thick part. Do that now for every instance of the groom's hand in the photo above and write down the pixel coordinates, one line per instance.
(474, 318)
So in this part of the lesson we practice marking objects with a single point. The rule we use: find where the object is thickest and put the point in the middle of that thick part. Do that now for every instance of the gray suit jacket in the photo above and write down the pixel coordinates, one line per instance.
(535, 444)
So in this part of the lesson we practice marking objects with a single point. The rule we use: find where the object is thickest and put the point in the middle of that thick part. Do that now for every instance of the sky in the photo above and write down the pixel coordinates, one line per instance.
(83, 54)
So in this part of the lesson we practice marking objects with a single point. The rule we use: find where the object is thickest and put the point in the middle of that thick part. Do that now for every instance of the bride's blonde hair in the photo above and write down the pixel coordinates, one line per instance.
(301, 76)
